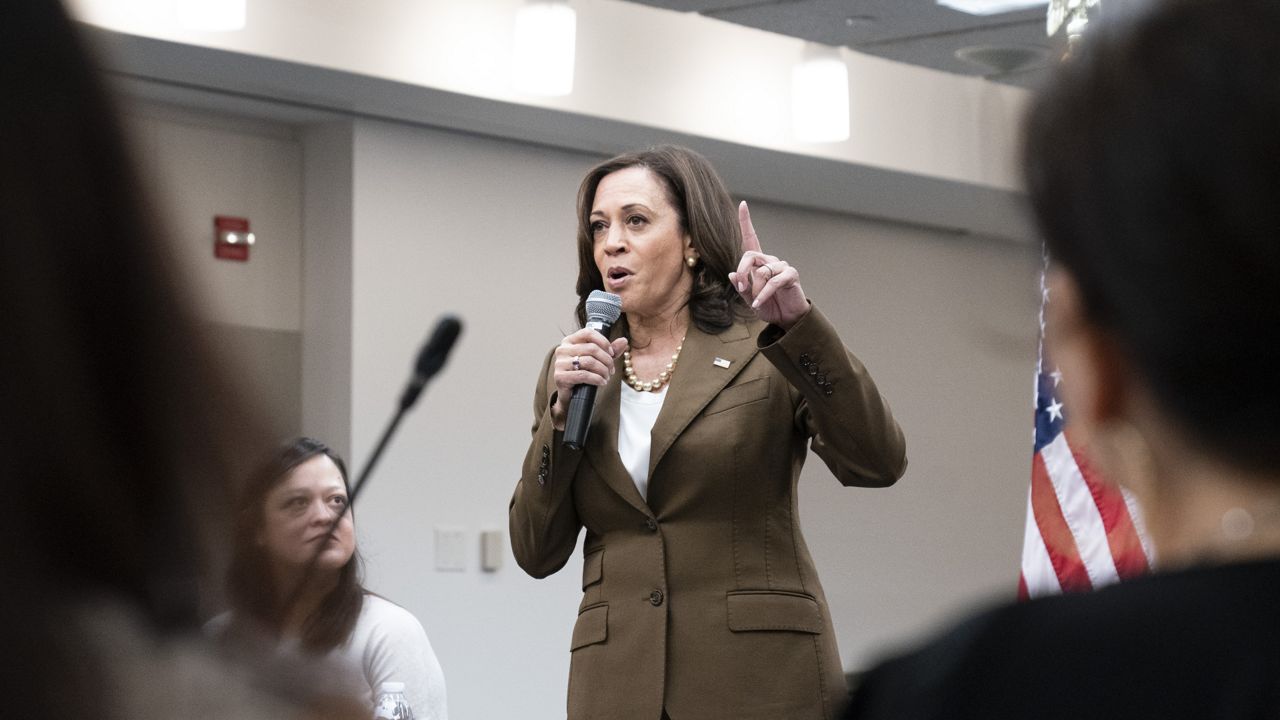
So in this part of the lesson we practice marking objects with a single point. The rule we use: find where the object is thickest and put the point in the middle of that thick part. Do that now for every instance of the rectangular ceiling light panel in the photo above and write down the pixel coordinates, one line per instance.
(991, 7)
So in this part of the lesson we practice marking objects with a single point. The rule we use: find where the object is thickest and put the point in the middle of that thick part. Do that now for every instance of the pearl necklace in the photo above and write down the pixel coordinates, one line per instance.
(656, 383)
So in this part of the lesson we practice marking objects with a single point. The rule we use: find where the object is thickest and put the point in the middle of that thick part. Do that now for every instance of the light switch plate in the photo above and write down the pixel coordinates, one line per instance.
(451, 549)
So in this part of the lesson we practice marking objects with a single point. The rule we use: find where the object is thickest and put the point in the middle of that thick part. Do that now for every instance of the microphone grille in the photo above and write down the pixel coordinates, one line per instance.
(434, 353)
(604, 307)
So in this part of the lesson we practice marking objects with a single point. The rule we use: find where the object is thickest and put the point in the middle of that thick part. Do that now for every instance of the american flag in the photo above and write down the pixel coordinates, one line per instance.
(1081, 533)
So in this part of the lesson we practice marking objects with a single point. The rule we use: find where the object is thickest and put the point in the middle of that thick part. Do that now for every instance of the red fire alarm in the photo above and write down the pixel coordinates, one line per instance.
(231, 238)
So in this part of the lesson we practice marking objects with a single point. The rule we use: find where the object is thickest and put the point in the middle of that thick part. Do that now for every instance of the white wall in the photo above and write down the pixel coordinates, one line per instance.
(681, 72)
(404, 223)
(447, 222)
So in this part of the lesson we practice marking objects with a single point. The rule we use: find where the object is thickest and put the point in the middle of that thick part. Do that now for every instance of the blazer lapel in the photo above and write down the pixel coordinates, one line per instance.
(602, 453)
(700, 375)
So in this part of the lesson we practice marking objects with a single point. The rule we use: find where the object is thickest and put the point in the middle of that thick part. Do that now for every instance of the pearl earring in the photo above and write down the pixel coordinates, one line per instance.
(691, 261)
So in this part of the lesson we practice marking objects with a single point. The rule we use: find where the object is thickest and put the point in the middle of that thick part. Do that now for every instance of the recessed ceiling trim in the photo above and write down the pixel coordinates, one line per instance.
(925, 33)
(946, 33)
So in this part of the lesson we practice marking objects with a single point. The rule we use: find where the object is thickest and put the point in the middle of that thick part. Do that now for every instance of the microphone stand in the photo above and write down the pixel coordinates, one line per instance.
(373, 460)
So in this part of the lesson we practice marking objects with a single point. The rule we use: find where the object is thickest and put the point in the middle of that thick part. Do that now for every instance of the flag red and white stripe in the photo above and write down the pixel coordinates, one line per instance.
(1081, 533)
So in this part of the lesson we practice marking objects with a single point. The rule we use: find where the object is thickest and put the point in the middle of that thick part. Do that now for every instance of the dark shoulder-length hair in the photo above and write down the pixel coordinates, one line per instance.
(1153, 165)
(706, 212)
(257, 601)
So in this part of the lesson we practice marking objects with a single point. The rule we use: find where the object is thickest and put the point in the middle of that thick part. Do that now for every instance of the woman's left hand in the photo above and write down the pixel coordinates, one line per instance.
(769, 285)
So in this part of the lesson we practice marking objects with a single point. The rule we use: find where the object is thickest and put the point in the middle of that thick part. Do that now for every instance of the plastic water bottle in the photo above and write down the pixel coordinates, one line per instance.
(392, 704)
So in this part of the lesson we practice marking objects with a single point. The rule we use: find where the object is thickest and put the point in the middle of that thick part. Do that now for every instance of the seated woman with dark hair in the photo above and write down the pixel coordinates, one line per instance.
(295, 578)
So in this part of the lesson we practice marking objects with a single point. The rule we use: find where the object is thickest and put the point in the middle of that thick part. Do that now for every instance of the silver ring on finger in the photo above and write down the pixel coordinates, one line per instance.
(576, 364)
(766, 267)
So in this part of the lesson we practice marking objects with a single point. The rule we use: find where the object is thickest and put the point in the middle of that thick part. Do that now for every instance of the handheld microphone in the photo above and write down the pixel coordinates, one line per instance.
(603, 310)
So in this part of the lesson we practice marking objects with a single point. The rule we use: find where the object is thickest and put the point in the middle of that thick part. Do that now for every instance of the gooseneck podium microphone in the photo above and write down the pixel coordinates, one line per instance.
(430, 360)
(603, 310)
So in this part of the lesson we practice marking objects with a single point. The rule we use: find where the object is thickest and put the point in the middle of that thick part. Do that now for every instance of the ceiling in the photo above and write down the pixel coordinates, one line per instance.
(918, 32)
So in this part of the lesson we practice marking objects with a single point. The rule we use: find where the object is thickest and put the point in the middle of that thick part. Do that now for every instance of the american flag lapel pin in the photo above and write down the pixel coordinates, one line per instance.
(721, 362)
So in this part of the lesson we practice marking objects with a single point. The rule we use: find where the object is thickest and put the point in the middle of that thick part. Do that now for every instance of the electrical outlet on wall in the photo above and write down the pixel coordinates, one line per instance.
(451, 549)
(492, 549)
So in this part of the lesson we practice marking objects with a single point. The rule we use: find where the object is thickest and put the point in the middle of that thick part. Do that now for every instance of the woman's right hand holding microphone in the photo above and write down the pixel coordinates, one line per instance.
(583, 358)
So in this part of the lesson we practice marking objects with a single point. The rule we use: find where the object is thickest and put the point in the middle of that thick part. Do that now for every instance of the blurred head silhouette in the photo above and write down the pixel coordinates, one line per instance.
(118, 434)
(1153, 165)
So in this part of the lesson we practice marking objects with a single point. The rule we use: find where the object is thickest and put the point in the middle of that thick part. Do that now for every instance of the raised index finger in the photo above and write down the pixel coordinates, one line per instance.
(749, 240)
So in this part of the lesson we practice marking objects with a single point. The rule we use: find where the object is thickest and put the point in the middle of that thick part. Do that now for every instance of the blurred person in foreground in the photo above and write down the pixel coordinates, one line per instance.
(1153, 165)
(295, 579)
(700, 599)
(118, 433)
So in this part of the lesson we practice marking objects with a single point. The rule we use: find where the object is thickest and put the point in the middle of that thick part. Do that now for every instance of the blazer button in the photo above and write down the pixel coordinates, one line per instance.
(821, 379)
(651, 524)
(813, 369)
(655, 598)
(827, 390)
(804, 359)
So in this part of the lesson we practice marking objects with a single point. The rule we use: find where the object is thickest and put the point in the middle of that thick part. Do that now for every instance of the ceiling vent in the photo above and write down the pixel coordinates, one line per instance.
(1004, 59)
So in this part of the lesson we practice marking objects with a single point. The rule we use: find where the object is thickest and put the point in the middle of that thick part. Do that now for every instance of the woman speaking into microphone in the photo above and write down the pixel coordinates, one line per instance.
(700, 599)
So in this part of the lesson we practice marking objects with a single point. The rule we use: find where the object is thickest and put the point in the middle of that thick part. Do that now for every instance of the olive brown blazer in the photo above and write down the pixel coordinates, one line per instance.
(702, 598)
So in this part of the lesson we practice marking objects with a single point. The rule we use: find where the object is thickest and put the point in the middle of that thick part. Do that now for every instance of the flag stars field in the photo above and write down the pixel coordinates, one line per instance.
(1055, 410)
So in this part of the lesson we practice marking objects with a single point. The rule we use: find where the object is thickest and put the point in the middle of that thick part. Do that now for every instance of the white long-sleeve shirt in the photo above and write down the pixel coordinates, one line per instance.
(388, 644)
